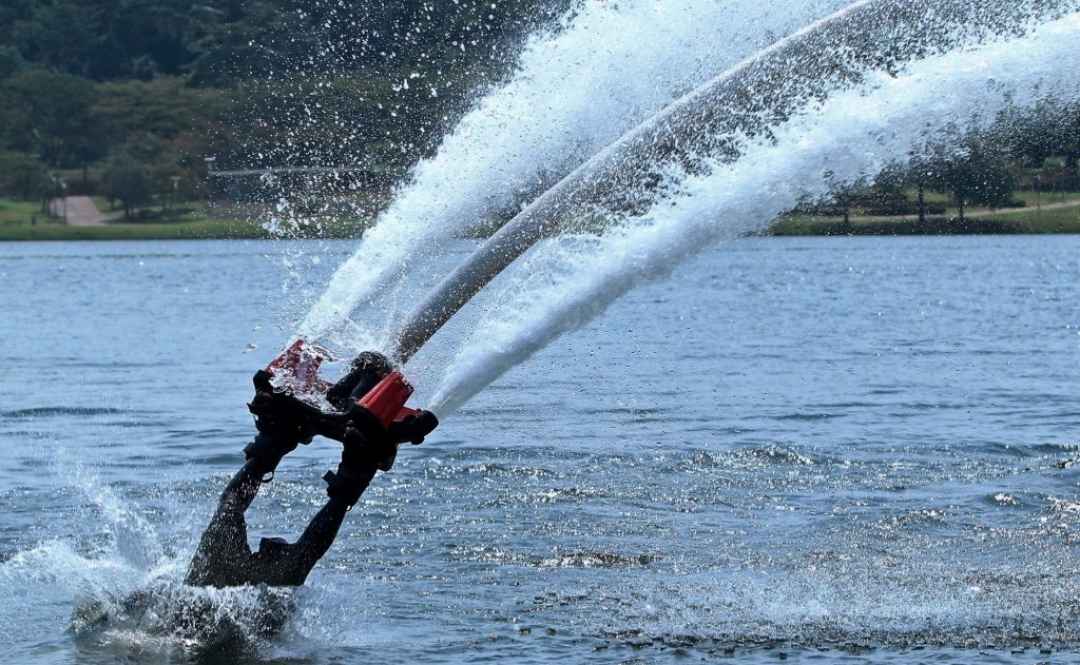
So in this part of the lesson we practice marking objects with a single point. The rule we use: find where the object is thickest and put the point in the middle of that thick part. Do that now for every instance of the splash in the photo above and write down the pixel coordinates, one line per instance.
(127, 593)
(571, 280)
(576, 90)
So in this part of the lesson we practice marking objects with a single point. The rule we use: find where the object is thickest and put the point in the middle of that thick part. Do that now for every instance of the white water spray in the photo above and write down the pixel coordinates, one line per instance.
(568, 281)
(575, 91)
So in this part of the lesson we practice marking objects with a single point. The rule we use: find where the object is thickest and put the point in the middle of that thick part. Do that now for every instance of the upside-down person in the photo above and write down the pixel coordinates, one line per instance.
(224, 557)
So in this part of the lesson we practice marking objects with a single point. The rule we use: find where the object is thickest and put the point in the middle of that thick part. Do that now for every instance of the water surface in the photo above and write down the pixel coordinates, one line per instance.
(830, 450)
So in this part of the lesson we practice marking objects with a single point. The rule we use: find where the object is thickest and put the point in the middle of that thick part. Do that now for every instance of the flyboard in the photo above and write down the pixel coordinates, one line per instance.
(712, 123)
(290, 389)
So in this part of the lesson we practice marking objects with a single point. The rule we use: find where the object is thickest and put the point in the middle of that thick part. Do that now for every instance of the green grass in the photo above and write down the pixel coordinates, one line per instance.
(18, 213)
(188, 230)
(1027, 221)
(1029, 197)
(931, 198)
(1065, 220)
(15, 225)
(102, 204)
(1032, 199)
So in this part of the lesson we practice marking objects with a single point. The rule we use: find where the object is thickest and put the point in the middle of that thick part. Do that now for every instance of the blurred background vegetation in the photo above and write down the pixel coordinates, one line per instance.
(124, 100)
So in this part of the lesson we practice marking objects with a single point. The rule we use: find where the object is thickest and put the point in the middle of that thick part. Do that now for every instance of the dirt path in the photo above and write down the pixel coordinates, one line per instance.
(79, 211)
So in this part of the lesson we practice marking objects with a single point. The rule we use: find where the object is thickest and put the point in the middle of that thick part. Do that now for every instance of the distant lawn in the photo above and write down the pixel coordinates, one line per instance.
(1032, 199)
(154, 209)
(1024, 221)
(15, 225)
(188, 230)
(17, 213)
(102, 204)
(1065, 220)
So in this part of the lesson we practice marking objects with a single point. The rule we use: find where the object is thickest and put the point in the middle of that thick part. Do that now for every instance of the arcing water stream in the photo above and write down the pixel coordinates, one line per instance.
(782, 116)
(572, 279)
(576, 91)
(713, 124)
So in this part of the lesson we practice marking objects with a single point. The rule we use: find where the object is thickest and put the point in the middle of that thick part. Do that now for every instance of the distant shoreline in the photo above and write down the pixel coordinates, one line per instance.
(200, 229)
(193, 230)
(1027, 221)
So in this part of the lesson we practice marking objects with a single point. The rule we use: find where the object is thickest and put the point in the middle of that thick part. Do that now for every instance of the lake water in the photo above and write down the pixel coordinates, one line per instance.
(826, 450)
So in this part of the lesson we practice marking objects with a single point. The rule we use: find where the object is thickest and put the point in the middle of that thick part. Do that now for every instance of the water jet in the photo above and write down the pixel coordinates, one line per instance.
(714, 122)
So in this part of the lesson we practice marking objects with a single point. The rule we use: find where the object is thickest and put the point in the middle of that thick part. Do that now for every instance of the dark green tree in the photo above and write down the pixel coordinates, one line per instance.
(128, 182)
(62, 35)
(50, 114)
(1070, 139)
(974, 169)
(23, 177)
(11, 61)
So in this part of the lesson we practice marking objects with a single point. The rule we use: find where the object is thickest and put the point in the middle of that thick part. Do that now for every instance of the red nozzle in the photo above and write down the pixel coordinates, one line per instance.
(386, 400)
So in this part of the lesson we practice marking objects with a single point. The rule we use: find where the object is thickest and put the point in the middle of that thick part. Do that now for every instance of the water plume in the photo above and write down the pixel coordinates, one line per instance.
(570, 280)
(714, 123)
(576, 90)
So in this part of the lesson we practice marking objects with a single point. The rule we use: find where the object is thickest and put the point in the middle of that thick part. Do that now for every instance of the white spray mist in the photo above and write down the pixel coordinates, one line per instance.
(575, 91)
(568, 281)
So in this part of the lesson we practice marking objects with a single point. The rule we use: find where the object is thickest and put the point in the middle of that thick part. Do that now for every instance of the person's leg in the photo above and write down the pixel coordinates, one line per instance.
(354, 474)
(323, 528)
(224, 545)
(223, 550)
(278, 563)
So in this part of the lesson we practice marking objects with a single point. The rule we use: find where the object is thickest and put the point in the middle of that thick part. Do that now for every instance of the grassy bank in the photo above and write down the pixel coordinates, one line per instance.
(188, 230)
(19, 213)
(1025, 221)
(1057, 220)
(196, 229)
(15, 225)
(24, 221)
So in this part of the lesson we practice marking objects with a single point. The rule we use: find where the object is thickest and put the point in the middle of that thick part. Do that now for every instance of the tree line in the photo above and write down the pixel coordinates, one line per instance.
(1036, 148)
(124, 98)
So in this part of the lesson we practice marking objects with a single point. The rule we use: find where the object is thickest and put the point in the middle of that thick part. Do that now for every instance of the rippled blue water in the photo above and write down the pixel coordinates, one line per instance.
(830, 450)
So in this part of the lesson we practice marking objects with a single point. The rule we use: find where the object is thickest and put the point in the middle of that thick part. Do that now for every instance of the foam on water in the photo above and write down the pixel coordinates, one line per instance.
(575, 91)
(570, 280)
(126, 595)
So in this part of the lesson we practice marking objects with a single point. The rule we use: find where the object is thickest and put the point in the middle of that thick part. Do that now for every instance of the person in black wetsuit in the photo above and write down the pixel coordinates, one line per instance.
(224, 558)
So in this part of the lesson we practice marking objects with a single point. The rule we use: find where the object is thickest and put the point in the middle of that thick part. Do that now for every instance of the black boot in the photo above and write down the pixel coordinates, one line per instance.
(412, 429)
(265, 453)
(280, 429)
(362, 456)
(367, 370)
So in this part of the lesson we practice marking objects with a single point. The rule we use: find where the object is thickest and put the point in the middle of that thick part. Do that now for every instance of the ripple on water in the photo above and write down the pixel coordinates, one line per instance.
(63, 411)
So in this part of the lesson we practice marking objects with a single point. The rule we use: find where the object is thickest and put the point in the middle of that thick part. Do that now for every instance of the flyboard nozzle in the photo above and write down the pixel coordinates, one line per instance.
(297, 367)
(386, 401)
(290, 386)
